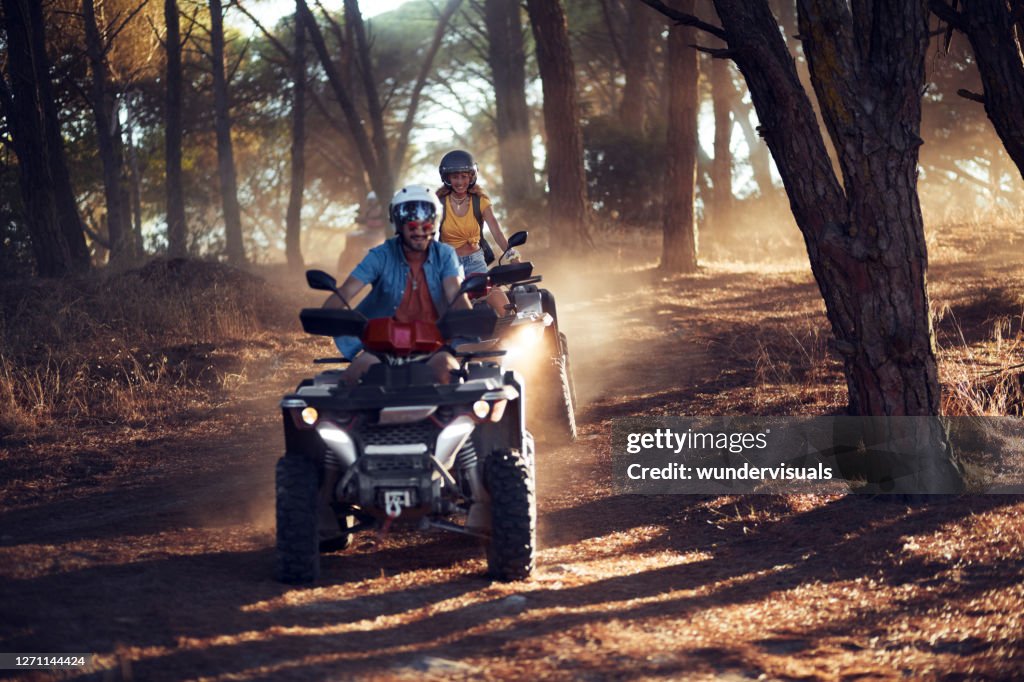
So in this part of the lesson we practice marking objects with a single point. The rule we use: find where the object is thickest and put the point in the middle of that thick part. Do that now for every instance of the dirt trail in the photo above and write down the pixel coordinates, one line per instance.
(166, 573)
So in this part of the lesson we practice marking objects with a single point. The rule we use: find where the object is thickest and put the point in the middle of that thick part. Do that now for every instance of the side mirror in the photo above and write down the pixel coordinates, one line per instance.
(517, 239)
(318, 279)
(476, 283)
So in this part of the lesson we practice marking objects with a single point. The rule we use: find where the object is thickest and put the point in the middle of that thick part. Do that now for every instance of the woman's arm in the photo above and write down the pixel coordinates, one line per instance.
(495, 228)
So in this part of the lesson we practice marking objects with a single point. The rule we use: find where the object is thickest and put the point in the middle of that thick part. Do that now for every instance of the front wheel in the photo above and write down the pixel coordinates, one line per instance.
(298, 550)
(509, 477)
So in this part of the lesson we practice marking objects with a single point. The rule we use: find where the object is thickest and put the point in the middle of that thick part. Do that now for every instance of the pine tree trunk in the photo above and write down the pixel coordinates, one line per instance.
(632, 108)
(104, 107)
(64, 193)
(225, 152)
(26, 113)
(866, 245)
(760, 156)
(991, 30)
(134, 186)
(293, 220)
(721, 167)
(567, 188)
(177, 237)
(507, 60)
(679, 244)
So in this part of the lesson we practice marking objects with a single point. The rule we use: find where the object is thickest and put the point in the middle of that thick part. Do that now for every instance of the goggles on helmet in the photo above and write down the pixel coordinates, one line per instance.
(419, 212)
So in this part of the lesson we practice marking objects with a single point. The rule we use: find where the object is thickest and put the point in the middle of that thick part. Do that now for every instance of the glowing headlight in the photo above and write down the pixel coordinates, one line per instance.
(310, 415)
(481, 408)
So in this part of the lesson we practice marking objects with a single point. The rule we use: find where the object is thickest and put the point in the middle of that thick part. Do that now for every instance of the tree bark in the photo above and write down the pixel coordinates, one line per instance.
(108, 136)
(567, 189)
(134, 185)
(225, 152)
(33, 142)
(507, 60)
(293, 220)
(721, 168)
(996, 42)
(632, 108)
(64, 193)
(679, 243)
(865, 242)
(866, 245)
(177, 235)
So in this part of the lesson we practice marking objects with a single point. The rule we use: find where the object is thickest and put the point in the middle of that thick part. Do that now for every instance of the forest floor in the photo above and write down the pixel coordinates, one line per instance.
(151, 544)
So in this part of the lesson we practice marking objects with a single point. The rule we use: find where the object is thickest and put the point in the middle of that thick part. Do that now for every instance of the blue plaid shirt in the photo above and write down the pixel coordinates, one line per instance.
(387, 271)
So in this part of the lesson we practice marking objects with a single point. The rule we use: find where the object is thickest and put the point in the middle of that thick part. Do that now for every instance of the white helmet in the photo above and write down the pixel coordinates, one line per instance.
(413, 202)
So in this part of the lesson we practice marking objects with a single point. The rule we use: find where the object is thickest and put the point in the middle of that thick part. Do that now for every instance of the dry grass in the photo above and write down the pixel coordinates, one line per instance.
(125, 347)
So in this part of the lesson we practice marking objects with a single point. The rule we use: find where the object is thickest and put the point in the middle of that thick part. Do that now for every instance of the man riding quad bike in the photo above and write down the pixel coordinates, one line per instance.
(396, 443)
(536, 347)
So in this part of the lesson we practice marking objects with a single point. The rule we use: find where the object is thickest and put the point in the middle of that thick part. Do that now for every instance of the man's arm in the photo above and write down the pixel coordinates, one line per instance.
(451, 288)
(349, 289)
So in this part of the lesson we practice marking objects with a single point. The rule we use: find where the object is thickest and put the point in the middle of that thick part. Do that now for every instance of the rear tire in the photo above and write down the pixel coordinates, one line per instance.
(556, 415)
(511, 552)
(568, 370)
(298, 550)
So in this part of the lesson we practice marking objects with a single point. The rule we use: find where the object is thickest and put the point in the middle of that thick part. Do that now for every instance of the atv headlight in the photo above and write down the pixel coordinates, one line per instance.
(310, 415)
(481, 409)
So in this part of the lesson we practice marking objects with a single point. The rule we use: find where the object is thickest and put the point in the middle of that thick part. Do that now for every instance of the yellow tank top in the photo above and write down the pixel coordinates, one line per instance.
(458, 231)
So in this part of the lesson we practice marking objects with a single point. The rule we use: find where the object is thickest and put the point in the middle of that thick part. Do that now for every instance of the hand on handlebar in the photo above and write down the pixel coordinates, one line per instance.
(513, 256)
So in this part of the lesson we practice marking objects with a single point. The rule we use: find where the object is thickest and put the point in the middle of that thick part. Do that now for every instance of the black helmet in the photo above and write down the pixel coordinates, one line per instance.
(455, 162)
(413, 202)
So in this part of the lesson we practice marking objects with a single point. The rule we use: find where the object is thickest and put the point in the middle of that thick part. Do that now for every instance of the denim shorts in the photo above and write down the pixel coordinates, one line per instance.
(474, 262)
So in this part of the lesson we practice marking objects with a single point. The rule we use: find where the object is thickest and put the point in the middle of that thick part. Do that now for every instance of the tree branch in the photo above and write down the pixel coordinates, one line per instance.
(610, 26)
(715, 52)
(973, 96)
(947, 13)
(421, 80)
(271, 38)
(686, 19)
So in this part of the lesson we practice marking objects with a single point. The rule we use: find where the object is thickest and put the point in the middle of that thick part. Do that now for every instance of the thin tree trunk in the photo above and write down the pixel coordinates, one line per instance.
(679, 243)
(225, 152)
(104, 107)
(402, 143)
(134, 184)
(760, 156)
(381, 182)
(293, 221)
(721, 167)
(989, 26)
(632, 108)
(177, 236)
(566, 180)
(507, 60)
(354, 18)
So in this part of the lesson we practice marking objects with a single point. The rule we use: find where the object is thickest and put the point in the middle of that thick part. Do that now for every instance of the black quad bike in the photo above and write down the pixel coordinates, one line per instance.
(536, 347)
(400, 448)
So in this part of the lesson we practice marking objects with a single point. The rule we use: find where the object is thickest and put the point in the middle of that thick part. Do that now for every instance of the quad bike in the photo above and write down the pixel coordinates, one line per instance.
(400, 448)
(536, 346)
